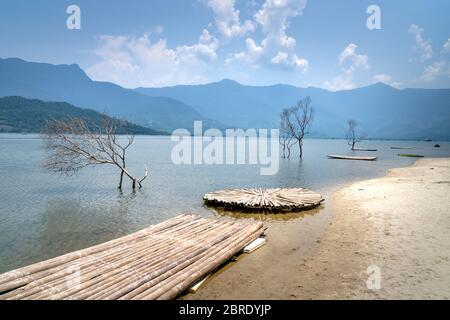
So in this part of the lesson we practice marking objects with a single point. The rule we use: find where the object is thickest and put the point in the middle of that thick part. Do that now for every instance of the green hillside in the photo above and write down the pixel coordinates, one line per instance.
(23, 115)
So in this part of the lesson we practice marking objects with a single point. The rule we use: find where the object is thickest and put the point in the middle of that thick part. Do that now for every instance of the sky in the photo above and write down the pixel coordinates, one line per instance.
(320, 43)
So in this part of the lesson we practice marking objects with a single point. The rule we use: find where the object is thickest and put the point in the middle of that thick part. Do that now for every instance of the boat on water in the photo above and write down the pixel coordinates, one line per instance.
(410, 155)
(401, 147)
(342, 157)
(364, 149)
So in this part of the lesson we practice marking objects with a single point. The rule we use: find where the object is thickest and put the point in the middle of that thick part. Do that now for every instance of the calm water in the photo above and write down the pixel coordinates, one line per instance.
(44, 215)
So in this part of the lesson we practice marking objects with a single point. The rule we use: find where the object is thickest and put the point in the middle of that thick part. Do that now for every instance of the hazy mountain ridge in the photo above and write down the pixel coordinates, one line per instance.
(70, 83)
(383, 111)
(18, 114)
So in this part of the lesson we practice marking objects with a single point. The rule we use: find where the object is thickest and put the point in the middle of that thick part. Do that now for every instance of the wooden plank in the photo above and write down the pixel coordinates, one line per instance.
(258, 243)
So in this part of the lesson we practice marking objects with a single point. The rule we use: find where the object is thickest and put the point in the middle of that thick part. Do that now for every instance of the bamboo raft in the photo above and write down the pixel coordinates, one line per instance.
(334, 156)
(257, 199)
(159, 262)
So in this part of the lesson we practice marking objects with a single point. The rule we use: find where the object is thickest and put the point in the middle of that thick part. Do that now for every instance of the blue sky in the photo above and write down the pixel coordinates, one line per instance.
(321, 43)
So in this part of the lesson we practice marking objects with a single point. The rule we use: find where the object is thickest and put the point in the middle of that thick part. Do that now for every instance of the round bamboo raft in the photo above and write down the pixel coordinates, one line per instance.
(257, 199)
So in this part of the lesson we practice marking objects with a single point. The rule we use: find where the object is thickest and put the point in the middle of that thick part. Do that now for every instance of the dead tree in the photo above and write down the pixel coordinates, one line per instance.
(299, 120)
(352, 134)
(73, 144)
(285, 136)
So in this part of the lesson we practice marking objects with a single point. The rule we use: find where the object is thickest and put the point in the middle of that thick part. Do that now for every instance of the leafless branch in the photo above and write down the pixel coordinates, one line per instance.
(73, 144)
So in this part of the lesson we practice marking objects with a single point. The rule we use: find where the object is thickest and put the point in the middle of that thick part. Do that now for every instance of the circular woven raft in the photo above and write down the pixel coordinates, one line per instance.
(256, 199)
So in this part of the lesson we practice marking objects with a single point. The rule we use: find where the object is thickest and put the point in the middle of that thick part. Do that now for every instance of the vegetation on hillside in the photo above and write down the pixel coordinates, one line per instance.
(23, 115)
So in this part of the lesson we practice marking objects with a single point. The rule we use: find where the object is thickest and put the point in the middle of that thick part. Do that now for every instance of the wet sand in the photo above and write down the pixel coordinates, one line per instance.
(398, 225)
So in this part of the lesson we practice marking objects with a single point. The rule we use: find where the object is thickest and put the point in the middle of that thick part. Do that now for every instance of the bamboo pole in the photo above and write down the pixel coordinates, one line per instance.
(202, 269)
(146, 261)
(28, 279)
(54, 289)
(154, 272)
(25, 271)
(153, 285)
(138, 265)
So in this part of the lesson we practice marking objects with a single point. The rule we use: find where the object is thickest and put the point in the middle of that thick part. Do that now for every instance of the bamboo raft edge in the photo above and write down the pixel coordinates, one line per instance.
(271, 200)
(158, 262)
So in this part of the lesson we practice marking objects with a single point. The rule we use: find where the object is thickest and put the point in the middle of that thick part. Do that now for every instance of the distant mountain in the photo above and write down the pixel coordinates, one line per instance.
(19, 114)
(69, 83)
(382, 111)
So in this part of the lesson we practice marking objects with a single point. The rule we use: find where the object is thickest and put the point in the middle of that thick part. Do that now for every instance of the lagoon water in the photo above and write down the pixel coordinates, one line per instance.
(43, 215)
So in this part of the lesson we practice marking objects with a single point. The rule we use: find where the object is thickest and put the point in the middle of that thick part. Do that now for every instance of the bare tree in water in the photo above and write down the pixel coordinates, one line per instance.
(285, 136)
(352, 134)
(299, 120)
(74, 144)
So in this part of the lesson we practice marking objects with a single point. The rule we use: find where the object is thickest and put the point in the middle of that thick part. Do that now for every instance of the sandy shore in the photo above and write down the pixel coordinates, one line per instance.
(398, 225)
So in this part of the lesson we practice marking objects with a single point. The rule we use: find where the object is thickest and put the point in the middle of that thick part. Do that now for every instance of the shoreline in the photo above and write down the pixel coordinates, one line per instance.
(398, 224)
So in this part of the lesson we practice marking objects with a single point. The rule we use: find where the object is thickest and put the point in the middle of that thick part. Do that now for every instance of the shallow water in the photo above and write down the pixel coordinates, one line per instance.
(43, 215)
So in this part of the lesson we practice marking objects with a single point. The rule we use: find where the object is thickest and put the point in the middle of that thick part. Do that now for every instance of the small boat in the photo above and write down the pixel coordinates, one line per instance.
(335, 156)
(428, 140)
(410, 155)
(364, 149)
(401, 147)
(437, 145)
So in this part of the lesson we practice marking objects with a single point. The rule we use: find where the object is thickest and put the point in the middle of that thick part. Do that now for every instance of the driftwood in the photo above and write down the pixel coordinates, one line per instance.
(161, 261)
(341, 157)
(254, 199)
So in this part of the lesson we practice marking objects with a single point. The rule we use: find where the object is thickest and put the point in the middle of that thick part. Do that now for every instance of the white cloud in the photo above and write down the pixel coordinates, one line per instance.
(350, 62)
(446, 46)
(277, 48)
(386, 79)
(250, 56)
(422, 45)
(227, 19)
(343, 81)
(137, 61)
(434, 71)
(283, 58)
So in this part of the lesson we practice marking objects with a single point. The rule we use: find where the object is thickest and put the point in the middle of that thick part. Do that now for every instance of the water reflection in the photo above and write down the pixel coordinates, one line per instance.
(266, 216)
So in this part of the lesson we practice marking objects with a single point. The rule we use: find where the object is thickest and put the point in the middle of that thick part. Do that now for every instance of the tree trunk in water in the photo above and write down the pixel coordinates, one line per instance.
(134, 184)
(121, 180)
(300, 146)
(289, 152)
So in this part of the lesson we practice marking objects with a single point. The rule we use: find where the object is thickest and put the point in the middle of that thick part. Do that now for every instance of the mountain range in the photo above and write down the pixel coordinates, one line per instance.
(69, 83)
(381, 110)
